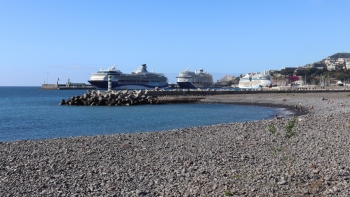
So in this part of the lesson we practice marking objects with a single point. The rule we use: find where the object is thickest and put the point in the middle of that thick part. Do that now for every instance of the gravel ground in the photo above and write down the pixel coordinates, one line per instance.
(235, 159)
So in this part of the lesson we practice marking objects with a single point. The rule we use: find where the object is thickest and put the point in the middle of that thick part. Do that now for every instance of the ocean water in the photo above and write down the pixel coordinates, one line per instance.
(32, 113)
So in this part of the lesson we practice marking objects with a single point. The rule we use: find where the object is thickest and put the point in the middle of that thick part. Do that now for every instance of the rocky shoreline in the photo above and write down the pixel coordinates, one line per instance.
(235, 159)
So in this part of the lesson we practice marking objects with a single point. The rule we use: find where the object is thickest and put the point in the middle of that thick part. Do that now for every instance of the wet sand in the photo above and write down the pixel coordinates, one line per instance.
(238, 159)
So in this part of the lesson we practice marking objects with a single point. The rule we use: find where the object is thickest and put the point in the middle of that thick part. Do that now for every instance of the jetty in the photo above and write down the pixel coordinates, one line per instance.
(67, 86)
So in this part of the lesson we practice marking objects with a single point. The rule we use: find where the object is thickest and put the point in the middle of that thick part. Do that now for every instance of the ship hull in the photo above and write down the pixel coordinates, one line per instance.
(103, 85)
(191, 85)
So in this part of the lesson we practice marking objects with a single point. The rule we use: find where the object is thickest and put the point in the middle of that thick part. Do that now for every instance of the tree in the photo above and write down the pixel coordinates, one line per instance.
(301, 72)
(318, 72)
(287, 72)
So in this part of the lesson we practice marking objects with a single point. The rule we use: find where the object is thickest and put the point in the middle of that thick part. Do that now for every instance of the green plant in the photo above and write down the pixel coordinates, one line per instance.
(272, 129)
(289, 128)
(287, 157)
(228, 193)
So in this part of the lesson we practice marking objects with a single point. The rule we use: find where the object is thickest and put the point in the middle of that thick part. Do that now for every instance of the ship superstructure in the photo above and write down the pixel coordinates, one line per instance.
(255, 80)
(139, 79)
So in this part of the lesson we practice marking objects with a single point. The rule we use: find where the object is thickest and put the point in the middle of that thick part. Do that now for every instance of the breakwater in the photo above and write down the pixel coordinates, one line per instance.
(129, 97)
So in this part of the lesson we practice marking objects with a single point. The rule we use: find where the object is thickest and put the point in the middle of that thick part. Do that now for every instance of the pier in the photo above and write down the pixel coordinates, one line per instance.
(64, 87)
(67, 86)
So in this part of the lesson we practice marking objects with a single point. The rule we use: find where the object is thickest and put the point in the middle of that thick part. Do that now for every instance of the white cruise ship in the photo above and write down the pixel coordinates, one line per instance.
(139, 79)
(190, 79)
(255, 80)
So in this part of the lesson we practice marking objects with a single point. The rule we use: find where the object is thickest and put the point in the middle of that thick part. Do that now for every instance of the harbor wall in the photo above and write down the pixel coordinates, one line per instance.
(49, 86)
(221, 92)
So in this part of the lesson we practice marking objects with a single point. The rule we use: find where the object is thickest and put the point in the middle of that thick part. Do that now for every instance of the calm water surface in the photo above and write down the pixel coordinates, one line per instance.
(32, 113)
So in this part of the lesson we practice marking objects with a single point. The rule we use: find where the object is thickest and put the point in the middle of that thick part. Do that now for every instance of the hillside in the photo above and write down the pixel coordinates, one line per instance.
(315, 72)
(341, 55)
(227, 81)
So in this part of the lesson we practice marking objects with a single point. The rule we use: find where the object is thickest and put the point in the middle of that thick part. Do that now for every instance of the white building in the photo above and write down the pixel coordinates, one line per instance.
(347, 64)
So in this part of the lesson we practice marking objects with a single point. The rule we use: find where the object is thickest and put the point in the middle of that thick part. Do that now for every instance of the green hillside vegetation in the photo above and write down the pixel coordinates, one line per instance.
(314, 72)
(314, 75)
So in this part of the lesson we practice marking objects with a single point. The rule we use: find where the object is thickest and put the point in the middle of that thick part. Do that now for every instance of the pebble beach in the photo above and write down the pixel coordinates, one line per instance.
(304, 155)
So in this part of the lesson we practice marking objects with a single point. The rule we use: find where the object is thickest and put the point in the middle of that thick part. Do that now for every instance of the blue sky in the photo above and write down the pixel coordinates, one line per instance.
(45, 40)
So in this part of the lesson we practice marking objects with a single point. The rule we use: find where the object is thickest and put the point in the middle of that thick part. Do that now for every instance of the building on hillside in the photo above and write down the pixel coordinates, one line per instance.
(318, 65)
(337, 63)
(331, 67)
(347, 64)
(308, 66)
(289, 68)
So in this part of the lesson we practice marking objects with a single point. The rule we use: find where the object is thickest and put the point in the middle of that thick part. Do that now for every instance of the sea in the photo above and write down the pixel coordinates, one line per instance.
(30, 113)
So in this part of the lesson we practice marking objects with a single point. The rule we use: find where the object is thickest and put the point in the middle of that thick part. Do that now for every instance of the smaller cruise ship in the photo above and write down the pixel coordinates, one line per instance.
(198, 79)
(255, 80)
